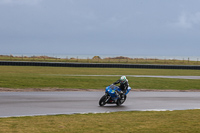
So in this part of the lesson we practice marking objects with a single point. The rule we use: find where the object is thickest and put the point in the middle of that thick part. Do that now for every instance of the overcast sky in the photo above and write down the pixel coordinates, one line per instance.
(119, 27)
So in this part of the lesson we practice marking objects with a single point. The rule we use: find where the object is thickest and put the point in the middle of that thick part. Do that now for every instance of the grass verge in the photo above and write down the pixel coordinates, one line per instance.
(58, 77)
(139, 122)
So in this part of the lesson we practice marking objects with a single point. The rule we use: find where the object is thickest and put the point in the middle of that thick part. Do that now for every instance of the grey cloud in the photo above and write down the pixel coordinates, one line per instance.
(20, 2)
(187, 20)
(123, 26)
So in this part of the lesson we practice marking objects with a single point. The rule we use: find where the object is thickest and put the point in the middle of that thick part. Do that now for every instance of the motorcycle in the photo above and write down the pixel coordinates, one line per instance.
(113, 96)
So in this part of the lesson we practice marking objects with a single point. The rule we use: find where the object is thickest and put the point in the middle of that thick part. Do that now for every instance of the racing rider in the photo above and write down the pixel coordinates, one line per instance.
(123, 85)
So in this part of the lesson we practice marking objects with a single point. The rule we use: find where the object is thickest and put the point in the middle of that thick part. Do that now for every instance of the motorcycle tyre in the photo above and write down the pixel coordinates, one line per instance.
(124, 99)
(102, 101)
(119, 102)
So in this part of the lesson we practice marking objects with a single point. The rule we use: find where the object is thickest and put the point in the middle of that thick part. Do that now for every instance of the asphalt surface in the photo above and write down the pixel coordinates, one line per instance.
(70, 102)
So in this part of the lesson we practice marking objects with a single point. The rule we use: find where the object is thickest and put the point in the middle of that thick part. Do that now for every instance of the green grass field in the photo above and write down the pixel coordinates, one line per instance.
(118, 122)
(138, 122)
(59, 77)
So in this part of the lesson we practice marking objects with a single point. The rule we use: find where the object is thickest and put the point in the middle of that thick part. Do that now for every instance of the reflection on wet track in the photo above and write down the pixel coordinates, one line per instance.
(70, 102)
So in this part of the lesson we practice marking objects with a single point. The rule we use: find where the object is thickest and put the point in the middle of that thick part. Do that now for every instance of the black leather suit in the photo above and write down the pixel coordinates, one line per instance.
(123, 86)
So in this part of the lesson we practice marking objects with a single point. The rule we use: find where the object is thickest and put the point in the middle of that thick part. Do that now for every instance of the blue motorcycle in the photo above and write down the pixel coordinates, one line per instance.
(113, 95)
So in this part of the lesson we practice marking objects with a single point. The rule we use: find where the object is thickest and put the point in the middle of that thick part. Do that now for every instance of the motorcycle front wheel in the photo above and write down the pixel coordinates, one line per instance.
(102, 101)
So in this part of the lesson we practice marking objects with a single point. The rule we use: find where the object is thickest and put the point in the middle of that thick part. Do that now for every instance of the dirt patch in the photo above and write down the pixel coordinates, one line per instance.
(92, 90)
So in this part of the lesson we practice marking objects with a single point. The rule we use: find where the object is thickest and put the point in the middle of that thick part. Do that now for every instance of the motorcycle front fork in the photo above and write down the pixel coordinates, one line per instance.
(108, 97)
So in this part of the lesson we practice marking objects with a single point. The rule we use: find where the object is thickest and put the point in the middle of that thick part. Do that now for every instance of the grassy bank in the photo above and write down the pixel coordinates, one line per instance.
(118, 60)
(59, 77)
(128, 122)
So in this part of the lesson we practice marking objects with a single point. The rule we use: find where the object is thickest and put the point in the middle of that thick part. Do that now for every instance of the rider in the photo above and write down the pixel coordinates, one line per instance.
(123, 84)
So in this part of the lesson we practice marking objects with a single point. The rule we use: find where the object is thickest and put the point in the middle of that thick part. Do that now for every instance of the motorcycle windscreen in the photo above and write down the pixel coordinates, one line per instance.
(111, 92)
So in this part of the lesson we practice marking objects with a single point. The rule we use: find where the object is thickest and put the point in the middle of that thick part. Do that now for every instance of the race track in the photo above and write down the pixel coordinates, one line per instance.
(70, 102)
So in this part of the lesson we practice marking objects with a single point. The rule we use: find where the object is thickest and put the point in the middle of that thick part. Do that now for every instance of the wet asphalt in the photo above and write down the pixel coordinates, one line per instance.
(71, 102)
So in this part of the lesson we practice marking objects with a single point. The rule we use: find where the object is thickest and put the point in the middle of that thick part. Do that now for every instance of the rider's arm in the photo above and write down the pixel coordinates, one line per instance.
(117, 82)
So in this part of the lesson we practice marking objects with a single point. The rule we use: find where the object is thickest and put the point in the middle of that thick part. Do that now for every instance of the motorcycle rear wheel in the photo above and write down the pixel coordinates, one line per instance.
(121, 101)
